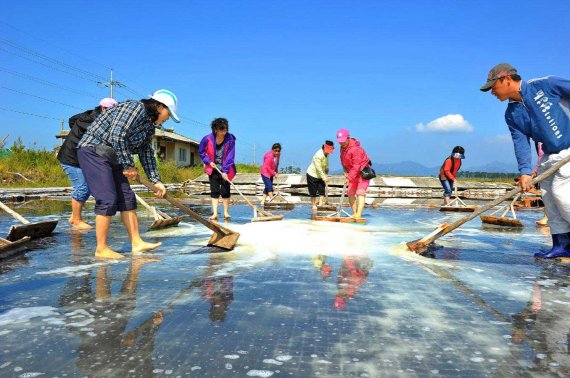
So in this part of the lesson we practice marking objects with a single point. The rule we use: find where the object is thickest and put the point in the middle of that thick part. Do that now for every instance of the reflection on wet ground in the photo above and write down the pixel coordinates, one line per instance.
(295, 298)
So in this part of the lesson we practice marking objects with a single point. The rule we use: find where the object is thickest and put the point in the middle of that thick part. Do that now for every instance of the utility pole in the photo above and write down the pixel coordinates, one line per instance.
(111, 83)
(254, 154)
(62, 139)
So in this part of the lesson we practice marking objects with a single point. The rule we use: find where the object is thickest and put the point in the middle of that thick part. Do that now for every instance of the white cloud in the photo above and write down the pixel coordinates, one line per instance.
(499, 139)
(451, 123)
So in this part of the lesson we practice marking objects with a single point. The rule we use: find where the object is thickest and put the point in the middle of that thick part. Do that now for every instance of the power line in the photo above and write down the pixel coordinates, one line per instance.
(31, 114)
(46, 65)
(194, 121)
(41, 98)
(48, 83)
(55, 45)
(49, 59)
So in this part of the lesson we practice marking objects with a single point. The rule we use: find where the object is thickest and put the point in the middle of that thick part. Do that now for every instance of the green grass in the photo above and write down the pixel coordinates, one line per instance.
(44, 170)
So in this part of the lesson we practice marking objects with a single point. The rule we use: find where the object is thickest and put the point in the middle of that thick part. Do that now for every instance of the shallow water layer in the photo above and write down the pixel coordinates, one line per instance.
(295, 298)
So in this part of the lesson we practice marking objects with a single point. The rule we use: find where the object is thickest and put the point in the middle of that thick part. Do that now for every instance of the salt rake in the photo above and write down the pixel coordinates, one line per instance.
(457, 205)
(421, 246)
(502, 220)
(10, 249)
(223, 237)
(33, 230)
(280, 203)
(161, 219)
(327, 206)
(265, 216)
(337, 215)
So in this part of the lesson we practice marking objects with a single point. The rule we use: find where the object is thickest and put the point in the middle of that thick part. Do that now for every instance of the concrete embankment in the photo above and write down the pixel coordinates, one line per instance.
(383, 191)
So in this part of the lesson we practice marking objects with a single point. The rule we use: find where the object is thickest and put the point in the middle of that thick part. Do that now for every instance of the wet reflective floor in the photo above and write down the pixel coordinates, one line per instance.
(296, 298)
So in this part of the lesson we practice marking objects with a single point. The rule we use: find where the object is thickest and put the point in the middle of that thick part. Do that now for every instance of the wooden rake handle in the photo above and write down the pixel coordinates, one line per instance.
(214, 227)
(264, 213)
(14, 214)
(445, 230)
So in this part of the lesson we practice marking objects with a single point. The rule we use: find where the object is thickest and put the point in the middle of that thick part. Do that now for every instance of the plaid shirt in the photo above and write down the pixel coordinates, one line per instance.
(127, 129)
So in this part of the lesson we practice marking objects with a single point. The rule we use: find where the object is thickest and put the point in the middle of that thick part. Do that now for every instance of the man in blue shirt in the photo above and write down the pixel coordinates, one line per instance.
(540, 109)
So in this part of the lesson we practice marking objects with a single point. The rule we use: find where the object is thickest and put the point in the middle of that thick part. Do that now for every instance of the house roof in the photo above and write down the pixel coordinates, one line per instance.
(162, 134)
(170, 135)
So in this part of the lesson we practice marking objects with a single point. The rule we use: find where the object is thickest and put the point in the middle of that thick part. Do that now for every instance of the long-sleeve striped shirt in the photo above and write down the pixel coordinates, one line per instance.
(128, 130)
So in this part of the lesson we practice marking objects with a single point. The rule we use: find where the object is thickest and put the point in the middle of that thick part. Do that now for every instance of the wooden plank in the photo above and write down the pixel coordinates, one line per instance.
(11, 249)
(339, 219)
(501, 221)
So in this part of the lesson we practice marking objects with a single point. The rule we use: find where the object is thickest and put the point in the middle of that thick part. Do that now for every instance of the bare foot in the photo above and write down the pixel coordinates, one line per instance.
(314, 208)
(357, 216)
(227, 217)
(108, 253)
(214, 217)
(80, 225)
(144, 247)
(543, 221)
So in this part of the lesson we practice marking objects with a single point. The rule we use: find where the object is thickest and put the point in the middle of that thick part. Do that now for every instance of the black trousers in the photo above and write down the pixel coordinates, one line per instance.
(219, 186)
(316, 186)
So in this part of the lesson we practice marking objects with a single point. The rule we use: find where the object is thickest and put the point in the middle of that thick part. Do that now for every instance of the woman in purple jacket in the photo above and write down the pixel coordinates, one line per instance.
(218, 150)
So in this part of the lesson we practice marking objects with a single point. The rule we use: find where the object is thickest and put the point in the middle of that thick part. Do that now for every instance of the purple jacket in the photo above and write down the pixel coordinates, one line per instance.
(207, 151)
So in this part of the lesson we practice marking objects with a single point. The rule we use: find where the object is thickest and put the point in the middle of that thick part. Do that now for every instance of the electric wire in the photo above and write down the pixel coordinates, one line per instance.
(47, 65)
(31, 114)
(76, 70)
(52, 60)
(54, 45)
(48, 83)
(41, 98)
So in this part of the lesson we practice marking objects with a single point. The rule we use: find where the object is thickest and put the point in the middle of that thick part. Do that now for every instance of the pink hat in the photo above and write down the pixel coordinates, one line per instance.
(108, 102)
(342, 135)
(338, 303)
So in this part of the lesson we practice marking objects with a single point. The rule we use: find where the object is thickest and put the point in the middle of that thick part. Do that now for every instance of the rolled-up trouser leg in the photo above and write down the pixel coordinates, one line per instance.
(556, 193)
(99, 175)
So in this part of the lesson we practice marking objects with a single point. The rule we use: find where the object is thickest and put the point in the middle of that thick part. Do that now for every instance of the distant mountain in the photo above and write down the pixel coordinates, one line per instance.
(492, 167)
(405, 168)
(411, 168)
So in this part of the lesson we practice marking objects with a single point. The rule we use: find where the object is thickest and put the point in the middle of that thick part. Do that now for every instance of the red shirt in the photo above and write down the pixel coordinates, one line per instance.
(449, 169)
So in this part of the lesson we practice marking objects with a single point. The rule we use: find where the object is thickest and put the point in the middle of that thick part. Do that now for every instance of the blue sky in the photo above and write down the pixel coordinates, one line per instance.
(403, 77)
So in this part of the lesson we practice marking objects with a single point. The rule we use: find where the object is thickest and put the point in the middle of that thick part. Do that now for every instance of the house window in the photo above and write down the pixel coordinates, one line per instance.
(182, 154)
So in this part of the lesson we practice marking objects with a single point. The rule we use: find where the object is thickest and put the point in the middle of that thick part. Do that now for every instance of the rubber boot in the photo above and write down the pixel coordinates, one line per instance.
(560, 247)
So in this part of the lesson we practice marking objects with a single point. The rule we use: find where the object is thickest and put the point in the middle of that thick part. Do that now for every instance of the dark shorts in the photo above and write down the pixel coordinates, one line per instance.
(107, 183)
(218, 186)
(268, 184)
(316, 186)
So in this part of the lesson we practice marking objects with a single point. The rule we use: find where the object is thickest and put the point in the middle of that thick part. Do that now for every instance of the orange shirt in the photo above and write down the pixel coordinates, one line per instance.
(449, 169)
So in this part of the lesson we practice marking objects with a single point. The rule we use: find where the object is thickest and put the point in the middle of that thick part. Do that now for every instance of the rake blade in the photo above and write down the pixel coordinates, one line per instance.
(33, 230)
(9, 249)
(501, 221)
(463, 209)
(279, 205)
(419, 247)
(267, 218)
(340, 219)
(163, 223)
(327, 207)
(224, 241)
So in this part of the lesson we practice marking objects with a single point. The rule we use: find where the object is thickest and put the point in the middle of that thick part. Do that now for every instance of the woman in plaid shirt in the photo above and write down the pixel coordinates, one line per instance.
(105, 156)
